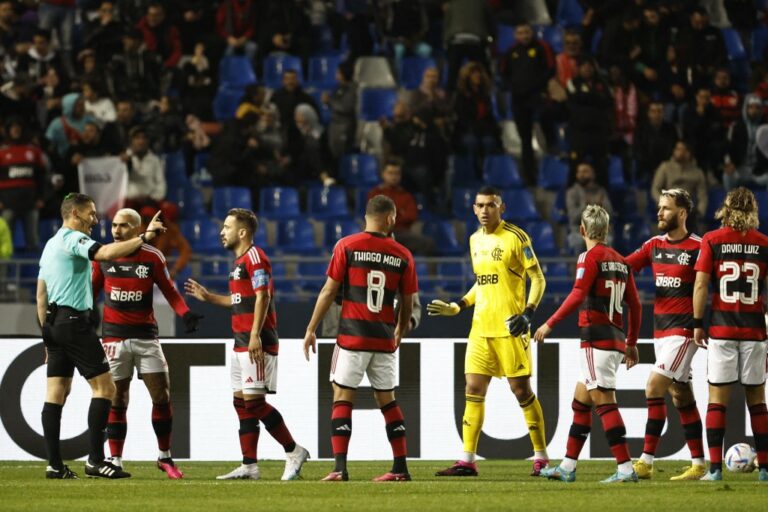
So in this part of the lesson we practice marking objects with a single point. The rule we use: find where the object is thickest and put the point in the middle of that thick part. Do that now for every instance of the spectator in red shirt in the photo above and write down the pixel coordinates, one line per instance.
(725, 98)
(236, 24)
(160, 36)
(407, 210)
(22, 176)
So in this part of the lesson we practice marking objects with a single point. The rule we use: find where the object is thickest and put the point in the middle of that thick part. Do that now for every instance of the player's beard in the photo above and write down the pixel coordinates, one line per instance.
(228, 245)
(668, 225)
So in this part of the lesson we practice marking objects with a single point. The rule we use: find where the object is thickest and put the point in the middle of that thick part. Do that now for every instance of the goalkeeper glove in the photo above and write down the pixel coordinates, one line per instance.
(440, 308)
(191, 320)
(519, 324)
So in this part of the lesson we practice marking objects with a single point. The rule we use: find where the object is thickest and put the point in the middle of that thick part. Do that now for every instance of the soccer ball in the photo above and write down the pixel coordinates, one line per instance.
(740, 458)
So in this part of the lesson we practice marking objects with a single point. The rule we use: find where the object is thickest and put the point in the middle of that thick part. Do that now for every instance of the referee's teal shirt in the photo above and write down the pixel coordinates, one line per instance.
(65, 266)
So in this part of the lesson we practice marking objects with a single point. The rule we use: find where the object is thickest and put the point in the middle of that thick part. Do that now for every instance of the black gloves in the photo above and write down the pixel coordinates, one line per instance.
(191, 319)
(519, 324)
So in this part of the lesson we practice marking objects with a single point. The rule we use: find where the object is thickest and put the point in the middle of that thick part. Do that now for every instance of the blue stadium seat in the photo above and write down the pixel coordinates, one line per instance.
(462, 171)
(463, 200)
(520, 206)
(542, 238)
(226, 101)
(18, 237)
(559, 213)
(762, 204)
(225, 198)
(335, 230)
(46, 228)
(278, 63)
(428, 282)
(311, 275)
(412, 70)
(203, 235)
(631, 236)
(501, 171)
(422, 207)
(597, 37)
(616, 174)
(442, 232)
(360, 169)
(236, 70)
(553, 173)
(175, 169)
(280, 278)
(558, 278)
(552, 35)
(327, 203)
(260, 238)
(505, 38)
(454, 276)
(189, 199)
(715, 198)
(361, 200)
(218, 267)
(759, 42)
(322, 71)
(297, 236)
(569, 13)
(733, 44)
(102, 232)
(279, 203)
(377, 103)
(325, 110)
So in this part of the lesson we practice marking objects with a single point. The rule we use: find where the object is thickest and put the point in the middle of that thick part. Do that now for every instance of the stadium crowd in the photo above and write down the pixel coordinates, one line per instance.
(292, 106)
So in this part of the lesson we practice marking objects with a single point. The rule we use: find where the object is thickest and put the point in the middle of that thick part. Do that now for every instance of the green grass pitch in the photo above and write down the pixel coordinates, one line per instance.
(502, 485)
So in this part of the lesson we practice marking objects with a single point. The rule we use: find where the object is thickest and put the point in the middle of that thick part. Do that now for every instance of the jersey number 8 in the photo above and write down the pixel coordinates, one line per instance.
(375, 290)
(731, 271)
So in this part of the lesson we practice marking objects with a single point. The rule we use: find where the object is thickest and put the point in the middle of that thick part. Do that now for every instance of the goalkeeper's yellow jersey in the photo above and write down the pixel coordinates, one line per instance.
(499, 260)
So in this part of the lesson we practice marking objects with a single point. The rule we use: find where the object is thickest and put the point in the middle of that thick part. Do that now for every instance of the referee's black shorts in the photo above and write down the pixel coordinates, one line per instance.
(72, 342)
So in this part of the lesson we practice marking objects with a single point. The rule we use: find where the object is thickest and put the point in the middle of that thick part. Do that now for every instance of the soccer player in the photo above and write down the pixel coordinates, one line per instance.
(734, 259)
(672, 257)
(374, 268)
(65, 312)
(603, 283)
(129, 335)
(499, 341)
(254, 359)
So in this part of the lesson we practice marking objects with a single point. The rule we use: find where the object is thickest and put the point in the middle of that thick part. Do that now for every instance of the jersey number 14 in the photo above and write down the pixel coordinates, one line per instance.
(617, 296)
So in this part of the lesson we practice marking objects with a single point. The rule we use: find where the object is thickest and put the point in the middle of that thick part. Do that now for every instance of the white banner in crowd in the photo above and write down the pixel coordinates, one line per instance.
(431, 394)
(105, 179)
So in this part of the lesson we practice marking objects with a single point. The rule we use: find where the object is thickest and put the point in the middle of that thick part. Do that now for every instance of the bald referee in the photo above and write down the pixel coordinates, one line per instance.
(64, 310)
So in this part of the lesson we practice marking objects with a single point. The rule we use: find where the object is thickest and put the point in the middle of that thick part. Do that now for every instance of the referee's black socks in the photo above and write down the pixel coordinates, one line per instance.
(51, 417)
(98, 413)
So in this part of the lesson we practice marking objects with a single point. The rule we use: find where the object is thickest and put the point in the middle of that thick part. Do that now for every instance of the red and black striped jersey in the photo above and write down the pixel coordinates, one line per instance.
(737, 264)
(673, 272)
(22, 166)
(372, 268)
(128, 284)
(603, 283)
(251, 273)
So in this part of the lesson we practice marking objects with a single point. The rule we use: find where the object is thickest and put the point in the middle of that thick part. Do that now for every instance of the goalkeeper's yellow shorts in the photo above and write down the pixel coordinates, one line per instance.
(499, 357)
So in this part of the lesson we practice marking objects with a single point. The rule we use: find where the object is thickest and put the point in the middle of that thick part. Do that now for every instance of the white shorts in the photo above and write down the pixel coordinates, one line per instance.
(598, 367)
(348, 367)
(253, 378)
(730, 361)
(144, 355)
(673, 357)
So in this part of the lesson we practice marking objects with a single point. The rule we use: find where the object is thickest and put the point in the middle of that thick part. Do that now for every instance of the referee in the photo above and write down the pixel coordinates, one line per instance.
(65, 313)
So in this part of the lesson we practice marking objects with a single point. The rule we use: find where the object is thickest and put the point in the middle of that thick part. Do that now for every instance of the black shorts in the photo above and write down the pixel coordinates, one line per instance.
(72, 342)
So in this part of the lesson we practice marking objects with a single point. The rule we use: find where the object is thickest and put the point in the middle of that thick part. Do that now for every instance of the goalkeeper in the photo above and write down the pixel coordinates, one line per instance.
(499, 342)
